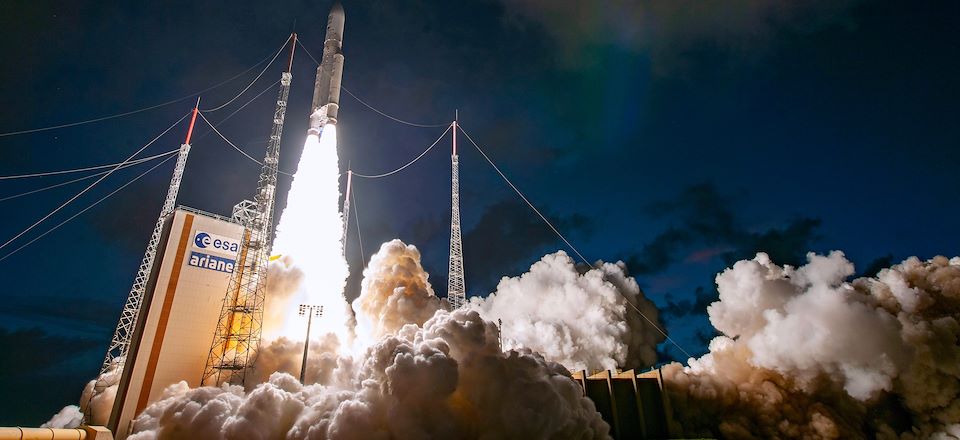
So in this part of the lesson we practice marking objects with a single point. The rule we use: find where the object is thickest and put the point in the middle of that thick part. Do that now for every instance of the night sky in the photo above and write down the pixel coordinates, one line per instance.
(677, 136)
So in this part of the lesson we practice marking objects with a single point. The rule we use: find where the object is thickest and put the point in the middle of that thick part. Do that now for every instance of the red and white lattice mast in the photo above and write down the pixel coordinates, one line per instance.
(114, 361)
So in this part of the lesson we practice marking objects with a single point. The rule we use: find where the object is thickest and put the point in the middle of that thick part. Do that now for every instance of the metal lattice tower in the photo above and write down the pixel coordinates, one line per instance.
(456, 288)
(237, 336)
(120, 343)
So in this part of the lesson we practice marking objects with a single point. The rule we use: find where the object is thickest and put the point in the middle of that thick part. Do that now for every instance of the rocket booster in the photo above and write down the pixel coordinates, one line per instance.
(326, 91)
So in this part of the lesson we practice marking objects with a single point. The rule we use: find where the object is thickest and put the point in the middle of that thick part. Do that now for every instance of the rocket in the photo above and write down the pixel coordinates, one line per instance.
(326, 91)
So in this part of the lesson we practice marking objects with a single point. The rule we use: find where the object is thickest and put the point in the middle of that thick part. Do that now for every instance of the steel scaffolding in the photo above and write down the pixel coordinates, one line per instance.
(237, 335)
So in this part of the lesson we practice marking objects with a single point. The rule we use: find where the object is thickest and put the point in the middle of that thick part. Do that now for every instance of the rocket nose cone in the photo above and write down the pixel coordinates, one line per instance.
(336, 10)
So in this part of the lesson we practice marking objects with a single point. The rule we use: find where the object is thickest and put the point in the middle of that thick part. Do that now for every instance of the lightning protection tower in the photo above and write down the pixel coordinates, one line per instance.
(114, 361)
(456, 288)
(237, 335)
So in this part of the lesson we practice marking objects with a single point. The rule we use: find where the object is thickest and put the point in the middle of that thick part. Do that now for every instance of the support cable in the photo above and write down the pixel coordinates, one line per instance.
(57, 185)
(87, 208)
(269, 88)
(77, 195)
(307, 51)
(123, 164)
(251, 82)
(225, 119)
(78, 170)
(377, 176)
(555, 231)
(414, 124)
(119, 115)
(235, 147)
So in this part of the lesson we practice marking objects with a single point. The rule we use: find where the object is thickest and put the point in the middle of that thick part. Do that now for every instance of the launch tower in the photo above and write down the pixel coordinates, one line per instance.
(237, 335)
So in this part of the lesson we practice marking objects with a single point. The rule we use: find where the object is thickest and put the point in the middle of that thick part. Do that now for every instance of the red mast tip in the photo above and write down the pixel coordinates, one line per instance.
(293, 47)
(193, 120)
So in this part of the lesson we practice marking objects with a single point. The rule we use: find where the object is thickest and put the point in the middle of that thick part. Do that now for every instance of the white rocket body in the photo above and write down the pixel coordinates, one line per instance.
(326, 91)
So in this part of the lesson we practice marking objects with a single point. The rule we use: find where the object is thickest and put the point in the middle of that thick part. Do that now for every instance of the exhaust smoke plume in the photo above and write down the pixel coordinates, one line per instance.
(68, 417)
(445, 380)
(579, 318)
(806, 354)
(394, 292)
(442, 377)
(284, 279)
(285, 356)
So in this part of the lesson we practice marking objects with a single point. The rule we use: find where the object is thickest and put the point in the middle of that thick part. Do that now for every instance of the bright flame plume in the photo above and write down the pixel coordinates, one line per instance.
(309, 233)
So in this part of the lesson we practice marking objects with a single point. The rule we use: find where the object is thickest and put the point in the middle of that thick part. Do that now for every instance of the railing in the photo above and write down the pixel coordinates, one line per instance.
(208, 214)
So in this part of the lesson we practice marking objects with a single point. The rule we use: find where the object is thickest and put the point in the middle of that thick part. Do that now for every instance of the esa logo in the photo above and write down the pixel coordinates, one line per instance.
(215, 243)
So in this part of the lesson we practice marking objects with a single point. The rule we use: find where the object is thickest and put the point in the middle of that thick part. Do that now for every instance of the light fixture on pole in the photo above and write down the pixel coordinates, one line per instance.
(309, 311)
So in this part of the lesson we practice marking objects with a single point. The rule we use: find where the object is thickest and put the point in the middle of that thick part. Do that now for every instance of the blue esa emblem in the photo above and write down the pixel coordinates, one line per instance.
(215, 243)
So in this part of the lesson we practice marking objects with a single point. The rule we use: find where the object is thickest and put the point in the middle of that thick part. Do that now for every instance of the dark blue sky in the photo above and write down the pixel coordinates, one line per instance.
(677, 136)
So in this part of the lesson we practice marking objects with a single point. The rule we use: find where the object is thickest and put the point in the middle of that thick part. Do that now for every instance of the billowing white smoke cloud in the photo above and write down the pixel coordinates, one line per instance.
(440, 375)
(807, 322)
(580, 319)
(284, 279)
(807, 354)
(286, 356)
(447, 379)
(395, 291)
(68, 417)
(101, 403)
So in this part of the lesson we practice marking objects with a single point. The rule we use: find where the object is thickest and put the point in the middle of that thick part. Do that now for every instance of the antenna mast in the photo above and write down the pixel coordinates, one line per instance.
(456, 288)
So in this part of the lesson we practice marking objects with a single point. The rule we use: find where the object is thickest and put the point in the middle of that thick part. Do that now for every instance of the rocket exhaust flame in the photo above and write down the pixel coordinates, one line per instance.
(310, 228)
(309, 234)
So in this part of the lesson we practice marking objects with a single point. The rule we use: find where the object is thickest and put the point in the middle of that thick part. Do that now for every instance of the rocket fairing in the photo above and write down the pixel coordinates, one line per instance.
(326, 91)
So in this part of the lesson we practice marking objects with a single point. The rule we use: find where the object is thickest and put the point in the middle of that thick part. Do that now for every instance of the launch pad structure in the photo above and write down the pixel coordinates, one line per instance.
(635, 405)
